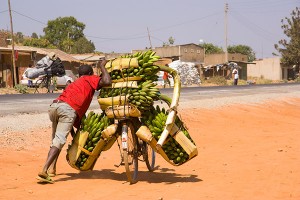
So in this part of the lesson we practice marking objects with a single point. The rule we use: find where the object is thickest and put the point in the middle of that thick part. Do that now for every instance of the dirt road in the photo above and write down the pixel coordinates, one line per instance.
(245, 152)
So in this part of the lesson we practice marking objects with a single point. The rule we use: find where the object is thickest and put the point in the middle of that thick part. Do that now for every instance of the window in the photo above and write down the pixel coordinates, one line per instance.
(192, 50)
(198, 51)
(185, 50)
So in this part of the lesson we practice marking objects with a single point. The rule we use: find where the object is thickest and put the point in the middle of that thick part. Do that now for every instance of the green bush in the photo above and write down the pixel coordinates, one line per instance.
(297, 80)
(216, 80)
(21, 89)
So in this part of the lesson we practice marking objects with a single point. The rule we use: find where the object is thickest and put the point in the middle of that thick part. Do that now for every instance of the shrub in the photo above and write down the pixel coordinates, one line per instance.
(217, 80)
(21, 89)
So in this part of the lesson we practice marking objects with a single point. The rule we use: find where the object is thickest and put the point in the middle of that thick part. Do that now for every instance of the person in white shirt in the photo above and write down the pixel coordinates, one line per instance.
(235, 72)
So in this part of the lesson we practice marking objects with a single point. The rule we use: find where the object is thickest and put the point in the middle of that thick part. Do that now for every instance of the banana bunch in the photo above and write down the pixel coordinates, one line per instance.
(155, 119)
(94, 124)
(112, 92)
(146, 70)
(145, 95)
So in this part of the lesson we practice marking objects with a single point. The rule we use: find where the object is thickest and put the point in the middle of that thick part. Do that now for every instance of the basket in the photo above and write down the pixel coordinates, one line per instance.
(121, 111)
(110, 101)
(120, 99)
(76, 148)
(189, 147)
(121, 63)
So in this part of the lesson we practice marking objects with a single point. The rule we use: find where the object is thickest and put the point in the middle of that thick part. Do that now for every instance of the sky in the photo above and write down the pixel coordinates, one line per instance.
(121, 26)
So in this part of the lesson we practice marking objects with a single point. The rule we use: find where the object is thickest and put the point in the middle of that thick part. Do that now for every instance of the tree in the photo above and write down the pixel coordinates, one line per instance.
(243, 49)
(83, 46)
(38, 42)
(171, 41)
(19, 37)
(34, 35)
(211, 49)
(63, 32)
(290, 49)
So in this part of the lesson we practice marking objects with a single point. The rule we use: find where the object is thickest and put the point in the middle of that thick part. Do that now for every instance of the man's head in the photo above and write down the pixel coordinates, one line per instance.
(85, 70)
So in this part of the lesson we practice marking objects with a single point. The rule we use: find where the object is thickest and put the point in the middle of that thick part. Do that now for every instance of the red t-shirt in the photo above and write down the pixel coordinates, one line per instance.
(166, 75)
(79, 94)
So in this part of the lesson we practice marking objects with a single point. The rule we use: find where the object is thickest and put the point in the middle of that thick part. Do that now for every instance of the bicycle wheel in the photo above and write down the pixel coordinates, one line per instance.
(130, 152)
(149, 156)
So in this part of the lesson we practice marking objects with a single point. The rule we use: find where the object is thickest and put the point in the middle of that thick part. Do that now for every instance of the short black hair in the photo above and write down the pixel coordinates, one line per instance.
(85, 70)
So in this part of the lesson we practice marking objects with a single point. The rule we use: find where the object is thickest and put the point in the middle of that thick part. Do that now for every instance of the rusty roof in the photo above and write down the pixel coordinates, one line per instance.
(43, 51)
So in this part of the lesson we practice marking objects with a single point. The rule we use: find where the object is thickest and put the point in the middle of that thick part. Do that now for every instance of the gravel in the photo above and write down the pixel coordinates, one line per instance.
(27, 122)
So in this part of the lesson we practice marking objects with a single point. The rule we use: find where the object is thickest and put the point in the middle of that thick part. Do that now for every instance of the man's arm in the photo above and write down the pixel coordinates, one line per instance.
(105, 77)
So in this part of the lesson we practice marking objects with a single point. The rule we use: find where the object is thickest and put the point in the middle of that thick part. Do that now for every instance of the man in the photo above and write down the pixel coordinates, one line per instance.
(67, 110)
(235, 72)
(166, 77)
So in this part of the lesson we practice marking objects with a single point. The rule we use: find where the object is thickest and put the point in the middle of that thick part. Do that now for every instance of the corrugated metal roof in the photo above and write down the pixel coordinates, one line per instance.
(43, 51)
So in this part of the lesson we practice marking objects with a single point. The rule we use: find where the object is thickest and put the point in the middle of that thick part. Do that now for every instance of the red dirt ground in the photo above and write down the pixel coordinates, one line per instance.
(245, 152)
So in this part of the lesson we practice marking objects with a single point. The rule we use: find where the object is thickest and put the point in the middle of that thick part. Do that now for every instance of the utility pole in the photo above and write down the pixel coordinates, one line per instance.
(14, 73)
(226, 37)
(149, 38)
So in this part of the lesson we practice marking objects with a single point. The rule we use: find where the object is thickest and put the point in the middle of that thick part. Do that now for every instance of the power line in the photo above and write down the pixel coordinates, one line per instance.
(145, 34)
(29, 17)
(3, 11)
(186, 22)
(260, 31)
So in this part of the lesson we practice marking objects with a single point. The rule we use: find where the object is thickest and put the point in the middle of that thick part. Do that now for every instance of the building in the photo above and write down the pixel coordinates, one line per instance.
(26, 55)
(217, 65)
(185, 52)
(272, 69)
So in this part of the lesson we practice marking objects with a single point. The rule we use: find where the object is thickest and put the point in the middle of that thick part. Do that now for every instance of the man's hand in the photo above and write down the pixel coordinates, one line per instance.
(103, 61)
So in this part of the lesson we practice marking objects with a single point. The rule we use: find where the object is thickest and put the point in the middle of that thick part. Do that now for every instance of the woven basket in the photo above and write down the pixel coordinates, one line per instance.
(190, 148)
(121, 111)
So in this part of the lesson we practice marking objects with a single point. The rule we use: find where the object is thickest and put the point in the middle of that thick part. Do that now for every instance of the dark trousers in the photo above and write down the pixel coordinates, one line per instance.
(235, 82)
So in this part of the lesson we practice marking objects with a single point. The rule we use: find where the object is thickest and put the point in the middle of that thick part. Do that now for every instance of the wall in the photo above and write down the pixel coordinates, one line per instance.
(3, 37)
(268, 68)
(185, 53)
(191, 53)
(167, 52)
(214, 59)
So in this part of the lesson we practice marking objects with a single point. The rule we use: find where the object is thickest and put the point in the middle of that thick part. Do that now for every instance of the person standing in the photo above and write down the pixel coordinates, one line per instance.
(235, 73)
(166, 79)
(67, 110)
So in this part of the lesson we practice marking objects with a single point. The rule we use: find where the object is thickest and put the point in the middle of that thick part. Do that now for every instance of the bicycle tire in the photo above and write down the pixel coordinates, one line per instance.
(130, 154)
(149, 156)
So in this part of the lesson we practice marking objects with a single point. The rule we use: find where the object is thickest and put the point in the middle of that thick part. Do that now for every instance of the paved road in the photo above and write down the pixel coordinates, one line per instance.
(38, 103)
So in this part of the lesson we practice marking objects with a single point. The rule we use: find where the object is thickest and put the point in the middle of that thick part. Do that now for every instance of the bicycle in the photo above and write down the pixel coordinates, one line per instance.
(44, 82)
(132, 148)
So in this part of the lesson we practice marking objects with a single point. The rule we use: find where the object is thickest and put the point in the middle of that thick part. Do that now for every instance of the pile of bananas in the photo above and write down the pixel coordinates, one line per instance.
(146, 70)
(94, 124)
(146, 92)
(155, 119)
